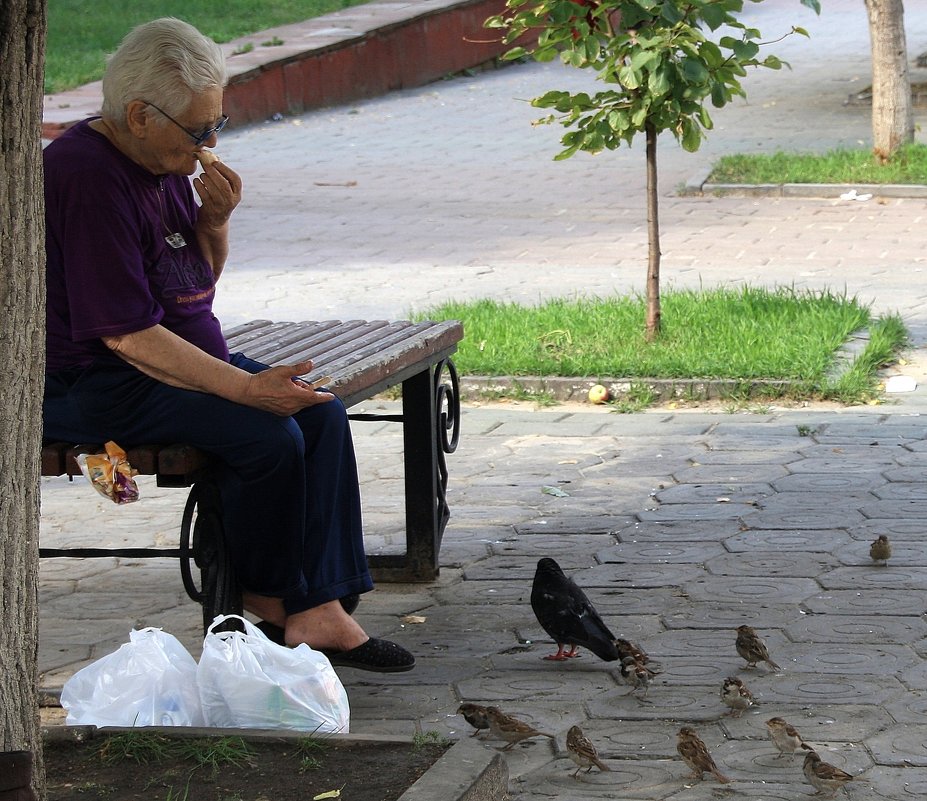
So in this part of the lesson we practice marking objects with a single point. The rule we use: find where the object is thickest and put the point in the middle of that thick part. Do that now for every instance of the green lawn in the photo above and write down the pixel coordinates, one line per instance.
(82, 32)
(740, 334)
(834, 167)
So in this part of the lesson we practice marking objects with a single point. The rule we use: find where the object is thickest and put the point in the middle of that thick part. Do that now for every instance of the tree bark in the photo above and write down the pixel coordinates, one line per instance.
(653, 238)
(22, 362)
(892, 115)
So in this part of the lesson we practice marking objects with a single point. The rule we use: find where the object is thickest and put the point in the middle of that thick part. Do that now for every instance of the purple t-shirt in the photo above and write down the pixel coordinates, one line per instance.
(110, 269)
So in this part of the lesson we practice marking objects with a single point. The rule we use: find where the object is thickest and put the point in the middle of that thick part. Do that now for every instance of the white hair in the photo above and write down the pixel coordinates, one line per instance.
(165, 62)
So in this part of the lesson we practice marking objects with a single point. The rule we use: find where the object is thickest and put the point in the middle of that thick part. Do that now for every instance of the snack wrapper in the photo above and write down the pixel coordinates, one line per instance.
(110, 474)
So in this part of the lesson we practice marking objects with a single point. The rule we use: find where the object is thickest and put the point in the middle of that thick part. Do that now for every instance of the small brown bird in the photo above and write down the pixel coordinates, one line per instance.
(636, 674)
(824, 777)
(475, 715)
(784, 736)
(512, 730)
(695, 754)
(752, 648)
(734, 693)
(627, 648)
(582, 751)
(880, 550)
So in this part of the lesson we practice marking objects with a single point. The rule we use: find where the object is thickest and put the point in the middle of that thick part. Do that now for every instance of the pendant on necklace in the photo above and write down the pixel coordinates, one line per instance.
(175, 241)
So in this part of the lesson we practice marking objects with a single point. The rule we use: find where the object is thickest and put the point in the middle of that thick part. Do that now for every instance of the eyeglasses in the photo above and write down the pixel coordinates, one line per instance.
(198, 138)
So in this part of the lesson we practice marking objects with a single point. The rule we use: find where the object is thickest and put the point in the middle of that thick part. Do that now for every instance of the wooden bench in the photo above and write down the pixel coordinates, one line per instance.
(363, 358)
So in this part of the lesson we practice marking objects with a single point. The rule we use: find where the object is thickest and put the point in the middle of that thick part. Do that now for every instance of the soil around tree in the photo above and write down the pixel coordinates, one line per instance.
(271, 770)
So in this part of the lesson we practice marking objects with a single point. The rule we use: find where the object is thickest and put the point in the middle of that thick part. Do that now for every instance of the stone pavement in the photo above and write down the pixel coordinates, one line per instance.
(680, 524)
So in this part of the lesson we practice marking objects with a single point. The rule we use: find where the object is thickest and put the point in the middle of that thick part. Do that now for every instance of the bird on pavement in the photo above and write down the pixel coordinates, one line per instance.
(880, 550)
(752, 648)
(627, 648)
(784, 736)
(695, 754)
(475, 715)
(512, 730)
(567, 615)
(824, 777)
(636, 674)
(734, 694)
(582, 751)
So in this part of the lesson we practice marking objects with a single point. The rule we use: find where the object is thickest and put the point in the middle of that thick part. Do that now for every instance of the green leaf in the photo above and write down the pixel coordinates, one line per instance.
(629, 77)
(814, 5)
(772, 62)
(746, 50)
(800, 31)
(714, 16)
(694, 70)
(691, 136)
(711, 54)
(659, 84)
(671, 12)
(639, 117)
(719, 95)
(515, 52)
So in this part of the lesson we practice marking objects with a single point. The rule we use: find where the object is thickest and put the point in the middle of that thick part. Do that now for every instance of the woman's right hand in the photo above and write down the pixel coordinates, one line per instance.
(279, 390)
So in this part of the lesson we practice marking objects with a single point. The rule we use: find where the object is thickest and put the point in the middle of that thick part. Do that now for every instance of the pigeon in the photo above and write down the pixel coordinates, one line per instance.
(880, 550)
(567, 615)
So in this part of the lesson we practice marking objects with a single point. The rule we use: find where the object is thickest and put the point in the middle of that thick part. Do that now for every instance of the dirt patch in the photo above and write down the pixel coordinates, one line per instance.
(232, 769)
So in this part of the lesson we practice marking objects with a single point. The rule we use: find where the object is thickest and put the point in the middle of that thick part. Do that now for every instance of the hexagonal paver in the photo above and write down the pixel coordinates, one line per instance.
(857, 629)
(845, 658)
(830, 689)
(753, 589)
(894, 528)
(854, 602)
(901, 492)
(901, 745)
(730, 473)
(660, 553)
(679, 531)
(770, 563)
(896, 577)
(522, 685)
(898, 509)
(637, 576)
(633, 780)
(794, 539)
(851, 483)
(693, 511)
(907, 553)
(714, 493)
(729, 615)
(821, 516)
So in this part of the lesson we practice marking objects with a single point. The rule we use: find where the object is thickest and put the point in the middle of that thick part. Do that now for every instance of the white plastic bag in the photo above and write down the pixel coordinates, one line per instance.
(148, 681)
(247, 681)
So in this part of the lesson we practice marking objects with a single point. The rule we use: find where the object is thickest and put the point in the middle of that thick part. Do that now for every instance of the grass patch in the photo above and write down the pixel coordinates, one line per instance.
(909, 166)
(82, 32)
(744, 335)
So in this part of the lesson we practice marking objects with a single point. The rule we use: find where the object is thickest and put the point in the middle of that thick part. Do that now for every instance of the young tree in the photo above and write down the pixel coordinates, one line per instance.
(892, 114)
(659, 66)
(22, 349)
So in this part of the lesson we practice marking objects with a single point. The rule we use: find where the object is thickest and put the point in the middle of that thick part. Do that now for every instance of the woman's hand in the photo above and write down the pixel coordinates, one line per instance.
(278, 390)
(219, 188)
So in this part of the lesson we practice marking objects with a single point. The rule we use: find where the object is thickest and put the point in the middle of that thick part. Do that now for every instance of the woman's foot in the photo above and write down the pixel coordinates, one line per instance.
(326, 628)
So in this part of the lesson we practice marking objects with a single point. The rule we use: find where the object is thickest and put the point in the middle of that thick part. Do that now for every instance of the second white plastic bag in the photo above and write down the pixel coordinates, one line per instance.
(247, 681)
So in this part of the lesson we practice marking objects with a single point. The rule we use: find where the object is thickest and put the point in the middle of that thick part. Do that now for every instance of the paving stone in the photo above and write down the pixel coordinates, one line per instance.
(901, 492)
(909, 509)
(770, 563)
(587, 525)
(901, 746)
(729, 615)
(693, 512)
(909, 708)
(730, 473)
(838, 483)
(714, 493)
(846, 723)
(795, 539)
(857, 629)
(754, 589)
(897, 577)
(636, 576)
(617, 738)
(904, 554)
(635, 781)
(800, 518)
(830, 690)
(524, 685)
(679, 531)
(556, 546)
(893, 528)
(894, 784)
(638, 553)
(846, 658)
(854, 602)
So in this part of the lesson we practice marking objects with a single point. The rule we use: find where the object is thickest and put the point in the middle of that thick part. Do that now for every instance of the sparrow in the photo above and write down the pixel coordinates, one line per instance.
(565, 613)
(627, 648)
(582, 751)
(784, 736)
(475, 715)
(752, 648)
(695, 754)
(880, 550)
(824, 777)
(512, 730)
(636, 674)
(734, 693)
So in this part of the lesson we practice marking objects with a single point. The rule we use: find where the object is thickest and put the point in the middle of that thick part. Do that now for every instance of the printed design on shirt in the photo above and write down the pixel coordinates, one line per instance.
(180, 277)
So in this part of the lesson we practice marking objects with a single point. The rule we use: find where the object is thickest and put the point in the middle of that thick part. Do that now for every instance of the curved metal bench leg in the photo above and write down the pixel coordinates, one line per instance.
(202, 543)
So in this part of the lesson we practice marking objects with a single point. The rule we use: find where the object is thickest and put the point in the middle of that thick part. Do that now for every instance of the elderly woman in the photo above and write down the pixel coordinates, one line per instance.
(135, 353)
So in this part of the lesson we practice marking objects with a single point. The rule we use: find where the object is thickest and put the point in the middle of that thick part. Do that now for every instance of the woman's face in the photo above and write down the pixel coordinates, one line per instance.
(168, 148)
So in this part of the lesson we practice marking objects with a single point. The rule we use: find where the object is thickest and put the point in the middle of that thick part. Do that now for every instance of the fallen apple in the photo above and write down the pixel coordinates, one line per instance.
(598, 394)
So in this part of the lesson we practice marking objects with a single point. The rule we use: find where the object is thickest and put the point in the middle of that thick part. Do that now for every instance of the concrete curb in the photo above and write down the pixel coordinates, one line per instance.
(698, 186)
(467, 771)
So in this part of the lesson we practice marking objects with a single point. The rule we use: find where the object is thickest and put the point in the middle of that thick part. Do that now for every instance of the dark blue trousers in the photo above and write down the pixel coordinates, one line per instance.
(289, 488)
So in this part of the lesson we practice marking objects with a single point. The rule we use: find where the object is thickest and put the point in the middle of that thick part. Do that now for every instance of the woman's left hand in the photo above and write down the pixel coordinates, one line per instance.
(219, 188)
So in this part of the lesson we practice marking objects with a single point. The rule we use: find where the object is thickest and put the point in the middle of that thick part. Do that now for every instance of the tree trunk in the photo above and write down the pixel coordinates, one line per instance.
(22, 362)
(892, 116)
(653, 238)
